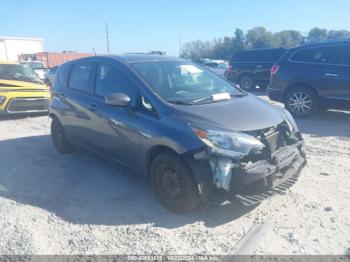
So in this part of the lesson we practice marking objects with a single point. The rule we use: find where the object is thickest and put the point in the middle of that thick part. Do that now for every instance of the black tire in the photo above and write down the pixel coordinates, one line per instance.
(59, 137)
(247, 83)
(301, 102)
(174, 184)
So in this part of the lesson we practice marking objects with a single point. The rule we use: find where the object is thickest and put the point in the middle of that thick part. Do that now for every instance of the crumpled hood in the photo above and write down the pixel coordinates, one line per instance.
(245, 113)
(20, 85)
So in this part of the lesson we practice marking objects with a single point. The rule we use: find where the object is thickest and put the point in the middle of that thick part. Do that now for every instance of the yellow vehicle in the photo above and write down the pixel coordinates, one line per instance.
(21, 90)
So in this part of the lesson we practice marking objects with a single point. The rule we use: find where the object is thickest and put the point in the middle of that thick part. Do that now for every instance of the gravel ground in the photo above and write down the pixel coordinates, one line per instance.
(78, 204)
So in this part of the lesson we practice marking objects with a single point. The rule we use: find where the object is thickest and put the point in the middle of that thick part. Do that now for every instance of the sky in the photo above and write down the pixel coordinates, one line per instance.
(146, 25)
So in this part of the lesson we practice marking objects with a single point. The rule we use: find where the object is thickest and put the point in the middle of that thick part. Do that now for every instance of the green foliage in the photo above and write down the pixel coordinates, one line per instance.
(257, 37)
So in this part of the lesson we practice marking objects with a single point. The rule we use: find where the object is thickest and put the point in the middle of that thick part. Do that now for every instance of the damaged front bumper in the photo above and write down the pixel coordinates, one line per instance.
(251, 182)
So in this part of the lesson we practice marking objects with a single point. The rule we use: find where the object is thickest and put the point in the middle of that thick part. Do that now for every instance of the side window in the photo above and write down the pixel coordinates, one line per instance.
(110, 80)
(347, 55)
(341, 55)
(62, 76)
(312, 55)
(80, 76)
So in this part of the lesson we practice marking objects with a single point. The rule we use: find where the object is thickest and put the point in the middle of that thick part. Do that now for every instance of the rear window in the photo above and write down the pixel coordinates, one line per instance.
(267, 55)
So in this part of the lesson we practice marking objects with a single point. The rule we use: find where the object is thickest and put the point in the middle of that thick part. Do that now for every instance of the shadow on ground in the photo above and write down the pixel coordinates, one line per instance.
(82, 189)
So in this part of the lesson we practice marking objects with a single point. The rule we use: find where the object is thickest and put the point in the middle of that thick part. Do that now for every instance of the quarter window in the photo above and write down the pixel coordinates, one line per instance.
(110, 80)
(80, 75)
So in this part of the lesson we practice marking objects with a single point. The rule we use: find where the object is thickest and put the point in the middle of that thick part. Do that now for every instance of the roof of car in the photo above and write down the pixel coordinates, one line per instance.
(261, 49)
(328, 42)
(135, 58)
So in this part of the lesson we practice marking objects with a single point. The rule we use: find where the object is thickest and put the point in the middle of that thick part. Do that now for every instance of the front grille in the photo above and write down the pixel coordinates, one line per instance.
(23, 105)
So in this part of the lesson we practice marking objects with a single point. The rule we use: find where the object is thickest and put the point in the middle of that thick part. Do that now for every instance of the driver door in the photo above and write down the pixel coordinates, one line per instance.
(113, 130)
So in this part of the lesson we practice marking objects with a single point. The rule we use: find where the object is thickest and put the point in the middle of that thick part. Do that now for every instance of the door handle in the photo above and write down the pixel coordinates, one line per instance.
(331, 75)
(92, 107)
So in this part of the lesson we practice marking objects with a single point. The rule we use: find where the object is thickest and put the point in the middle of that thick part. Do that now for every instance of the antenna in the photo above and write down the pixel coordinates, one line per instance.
(107, 38)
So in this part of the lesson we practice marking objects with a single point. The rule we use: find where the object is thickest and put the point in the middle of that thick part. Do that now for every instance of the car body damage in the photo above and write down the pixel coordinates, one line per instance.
(261, 169)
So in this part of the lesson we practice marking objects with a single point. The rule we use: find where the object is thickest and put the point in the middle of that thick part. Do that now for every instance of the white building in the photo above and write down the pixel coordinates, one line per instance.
(12, 47)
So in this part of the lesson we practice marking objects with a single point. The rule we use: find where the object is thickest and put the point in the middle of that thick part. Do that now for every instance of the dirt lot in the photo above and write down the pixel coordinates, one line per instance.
(77, 204)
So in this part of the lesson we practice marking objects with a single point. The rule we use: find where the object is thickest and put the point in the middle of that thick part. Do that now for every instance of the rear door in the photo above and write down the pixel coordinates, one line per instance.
(77, 97)
(335, 75)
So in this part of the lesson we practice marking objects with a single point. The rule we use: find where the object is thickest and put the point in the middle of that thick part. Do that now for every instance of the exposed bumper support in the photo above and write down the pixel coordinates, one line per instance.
(235, 177)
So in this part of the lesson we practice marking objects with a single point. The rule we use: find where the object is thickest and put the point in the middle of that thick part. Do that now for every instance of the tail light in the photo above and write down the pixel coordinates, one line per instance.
(274, 69)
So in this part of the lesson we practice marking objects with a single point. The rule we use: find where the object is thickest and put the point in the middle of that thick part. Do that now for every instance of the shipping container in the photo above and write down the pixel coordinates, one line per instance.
(12, 47)
(50, 59)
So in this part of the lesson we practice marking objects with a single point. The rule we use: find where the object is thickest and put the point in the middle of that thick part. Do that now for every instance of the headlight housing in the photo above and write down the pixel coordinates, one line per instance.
(291, 122)
(228, 143)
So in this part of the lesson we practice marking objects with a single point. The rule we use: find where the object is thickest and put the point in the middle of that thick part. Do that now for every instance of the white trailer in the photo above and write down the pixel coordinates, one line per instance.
(12, 47)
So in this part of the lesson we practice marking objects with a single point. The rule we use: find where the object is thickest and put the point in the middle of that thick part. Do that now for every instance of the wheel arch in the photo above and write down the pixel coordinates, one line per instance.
(200, 169)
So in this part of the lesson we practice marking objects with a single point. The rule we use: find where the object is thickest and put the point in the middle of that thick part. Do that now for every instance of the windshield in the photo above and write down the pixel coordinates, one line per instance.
(34, 65)
(183, 81)
(18, 72)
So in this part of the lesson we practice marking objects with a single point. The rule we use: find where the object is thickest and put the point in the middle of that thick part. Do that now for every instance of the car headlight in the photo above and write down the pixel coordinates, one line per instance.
(228, 143)
(2, 99)
(291, 122)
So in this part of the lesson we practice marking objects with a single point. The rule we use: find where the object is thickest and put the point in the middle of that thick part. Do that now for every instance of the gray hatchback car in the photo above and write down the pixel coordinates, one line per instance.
(191, 132)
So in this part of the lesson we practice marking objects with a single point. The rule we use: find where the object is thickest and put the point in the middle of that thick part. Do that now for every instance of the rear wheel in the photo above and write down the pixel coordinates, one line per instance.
(302, 102)
(247, 83)
(59, 137)
(174, 184)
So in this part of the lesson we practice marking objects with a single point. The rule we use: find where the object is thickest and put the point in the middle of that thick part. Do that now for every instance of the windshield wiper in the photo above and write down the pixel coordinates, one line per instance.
(179, 102)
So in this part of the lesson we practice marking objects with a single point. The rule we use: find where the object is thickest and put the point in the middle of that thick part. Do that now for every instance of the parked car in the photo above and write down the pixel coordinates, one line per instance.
(313, 77)
(219, 68)
(178, 124)
(38, 68)
(249, 68)
(50, 76)
(21, 90)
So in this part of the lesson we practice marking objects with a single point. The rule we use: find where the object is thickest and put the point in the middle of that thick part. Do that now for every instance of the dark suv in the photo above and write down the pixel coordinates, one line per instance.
(313, 77)
(249, 68)
(187, 129)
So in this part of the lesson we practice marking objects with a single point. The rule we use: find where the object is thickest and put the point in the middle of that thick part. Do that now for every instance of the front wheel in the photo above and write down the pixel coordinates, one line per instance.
(174, 184)
(301, 102)
(59, 137)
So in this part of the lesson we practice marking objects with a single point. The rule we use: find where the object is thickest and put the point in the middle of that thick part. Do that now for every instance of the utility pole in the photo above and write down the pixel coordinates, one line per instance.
(180, 40)
(107, 38)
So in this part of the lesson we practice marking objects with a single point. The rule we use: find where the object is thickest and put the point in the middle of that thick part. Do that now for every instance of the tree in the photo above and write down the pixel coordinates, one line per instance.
(196, 50)
(317, 35)
(289, 38)
(338, 34)
(238, 42)
(259, 37)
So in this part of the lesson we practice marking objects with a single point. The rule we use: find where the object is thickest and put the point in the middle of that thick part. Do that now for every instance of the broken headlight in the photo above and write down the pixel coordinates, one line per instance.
(228, 143)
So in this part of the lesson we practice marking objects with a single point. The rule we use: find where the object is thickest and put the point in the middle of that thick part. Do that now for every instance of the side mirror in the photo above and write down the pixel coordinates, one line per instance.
(117, 99)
